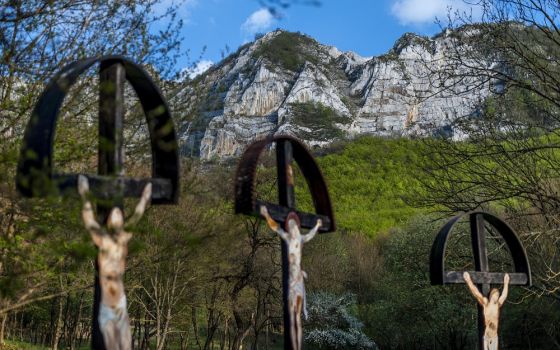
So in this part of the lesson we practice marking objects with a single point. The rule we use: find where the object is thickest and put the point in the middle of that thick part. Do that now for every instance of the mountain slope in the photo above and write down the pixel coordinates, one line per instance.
(289, 83)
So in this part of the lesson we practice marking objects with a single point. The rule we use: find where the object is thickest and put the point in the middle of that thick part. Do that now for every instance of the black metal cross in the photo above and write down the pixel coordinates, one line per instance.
(35, 176)
(288, 149)
(481, 276)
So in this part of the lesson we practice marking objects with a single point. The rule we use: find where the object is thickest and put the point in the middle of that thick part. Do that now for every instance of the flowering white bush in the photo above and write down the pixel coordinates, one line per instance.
(332, 326)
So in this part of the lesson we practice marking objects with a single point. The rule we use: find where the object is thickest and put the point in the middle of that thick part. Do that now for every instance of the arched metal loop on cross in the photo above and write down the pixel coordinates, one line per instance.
(438, 274)
(246, 201)
(35, 176)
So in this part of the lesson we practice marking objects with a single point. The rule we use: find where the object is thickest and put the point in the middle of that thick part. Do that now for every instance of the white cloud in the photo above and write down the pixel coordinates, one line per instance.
(184, 7)
(426, 11)
(258, 22)
(199, 68)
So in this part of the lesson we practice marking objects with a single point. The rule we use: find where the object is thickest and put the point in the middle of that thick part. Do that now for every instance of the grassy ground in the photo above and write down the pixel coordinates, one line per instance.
(17, 345)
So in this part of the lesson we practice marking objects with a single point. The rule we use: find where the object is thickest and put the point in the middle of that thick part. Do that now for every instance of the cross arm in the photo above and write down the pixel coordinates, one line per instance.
(478, 277)
(279, 214)
(105, 187)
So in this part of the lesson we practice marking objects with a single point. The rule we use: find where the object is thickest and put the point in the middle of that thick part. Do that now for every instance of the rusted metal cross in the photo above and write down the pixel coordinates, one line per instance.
(288, 149)
(36, 178)
(482, 275)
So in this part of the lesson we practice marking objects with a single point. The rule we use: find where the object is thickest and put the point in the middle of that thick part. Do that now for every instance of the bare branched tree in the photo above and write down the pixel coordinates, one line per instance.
(37, 38)
(510, 159)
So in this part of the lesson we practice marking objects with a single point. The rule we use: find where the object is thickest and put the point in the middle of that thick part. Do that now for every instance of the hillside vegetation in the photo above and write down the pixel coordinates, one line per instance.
(372, 182)
(288, 50)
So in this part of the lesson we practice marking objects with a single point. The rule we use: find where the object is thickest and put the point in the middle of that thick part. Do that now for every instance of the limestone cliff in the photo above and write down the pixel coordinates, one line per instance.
(289, 83)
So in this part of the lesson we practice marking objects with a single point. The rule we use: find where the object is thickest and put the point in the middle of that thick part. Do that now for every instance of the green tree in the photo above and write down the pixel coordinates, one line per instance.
(404, 311)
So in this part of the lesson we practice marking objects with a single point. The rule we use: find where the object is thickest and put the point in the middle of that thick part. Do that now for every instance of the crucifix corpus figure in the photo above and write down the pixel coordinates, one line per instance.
(112, 242)
(491, 308)
(296, 296)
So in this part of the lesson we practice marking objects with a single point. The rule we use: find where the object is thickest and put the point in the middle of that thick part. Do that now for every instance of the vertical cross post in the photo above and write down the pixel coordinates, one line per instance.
(110, 160)
(478, 240)
(35, 176)
(481, 276)
(286, 198)
(288, 151)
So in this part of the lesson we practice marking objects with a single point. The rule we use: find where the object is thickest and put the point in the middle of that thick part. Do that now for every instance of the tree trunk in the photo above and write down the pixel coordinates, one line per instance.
(76, 326)
(58, 326)
(267, 329)
(3, 328)
(195, 327)
(135, 339)
(21, 327)
(240, 333)
(67, 321)
(224, 333)
(146, 338)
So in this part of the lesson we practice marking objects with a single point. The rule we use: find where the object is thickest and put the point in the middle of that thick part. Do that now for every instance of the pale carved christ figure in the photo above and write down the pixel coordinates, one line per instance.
(296, 295)
(112, 242)
(491, 308)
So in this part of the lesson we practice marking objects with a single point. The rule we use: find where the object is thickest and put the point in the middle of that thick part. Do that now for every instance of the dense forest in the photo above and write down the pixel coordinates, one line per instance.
(200, 277)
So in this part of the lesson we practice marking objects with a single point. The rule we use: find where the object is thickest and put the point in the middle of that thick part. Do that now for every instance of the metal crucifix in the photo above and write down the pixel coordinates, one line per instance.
(36, 178)
(482, 277)
(288, 149)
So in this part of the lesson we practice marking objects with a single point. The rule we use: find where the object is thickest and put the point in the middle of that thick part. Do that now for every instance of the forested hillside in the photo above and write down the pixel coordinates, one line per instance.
(199, 275)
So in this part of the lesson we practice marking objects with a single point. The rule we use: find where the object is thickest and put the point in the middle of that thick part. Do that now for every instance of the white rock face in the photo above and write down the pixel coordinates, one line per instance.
(312, 86)
(255, 93)
(263, 95)
(225, 137)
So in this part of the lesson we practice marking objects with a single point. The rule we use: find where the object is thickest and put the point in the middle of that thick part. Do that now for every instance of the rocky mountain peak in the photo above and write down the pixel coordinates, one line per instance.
(410, 40)
(287, 82)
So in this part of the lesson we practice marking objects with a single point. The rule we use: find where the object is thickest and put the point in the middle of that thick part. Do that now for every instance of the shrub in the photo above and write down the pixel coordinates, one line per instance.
(287, 50)
(320, 119)
(332, 326)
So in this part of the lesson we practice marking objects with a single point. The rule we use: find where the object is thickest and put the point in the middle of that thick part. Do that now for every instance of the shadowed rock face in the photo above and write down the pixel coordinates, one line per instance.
(284, 82)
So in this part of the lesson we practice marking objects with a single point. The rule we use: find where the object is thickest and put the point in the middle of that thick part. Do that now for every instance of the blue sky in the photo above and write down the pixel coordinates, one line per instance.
(367, 27)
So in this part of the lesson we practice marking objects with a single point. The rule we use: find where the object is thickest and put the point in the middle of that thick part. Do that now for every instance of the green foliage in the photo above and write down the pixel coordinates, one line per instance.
(404, 311)
(43, 244)
(370, 181)
(509, 170)
(18, 345)
(287, 50)
(320, 119)
(214, 102)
